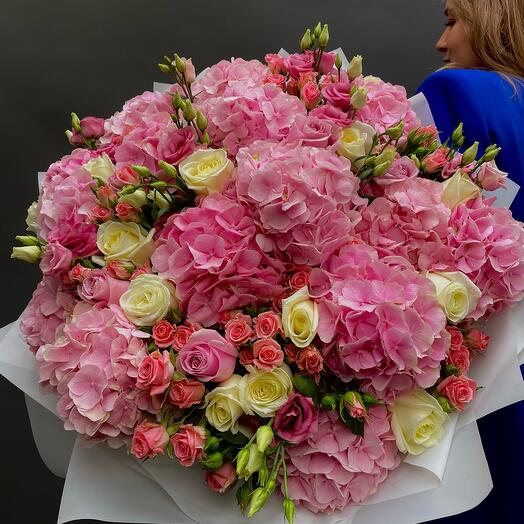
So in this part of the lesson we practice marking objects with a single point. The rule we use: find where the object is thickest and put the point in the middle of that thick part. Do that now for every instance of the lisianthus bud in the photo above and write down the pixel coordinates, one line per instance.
(242, 460)
(168, 169)
(164, 68)
(179, 64)
(201, 121)
(490, 154)
(338, 61)
(242, 496)
(142, 171)
(289, 510)
(189, 111)
(317, 30)
(75, 122)
(395, 132)
(264, 436)
(328, 402)
(28, 240)
(213, 461)
(137, 198)
(323, 38)
(212, 444)
(457, 133)
(470, 154)
(178, 102)
(305, 42)
(255, 461)
(355, 67)
(27, 253)
(258, 499)
(359, 98)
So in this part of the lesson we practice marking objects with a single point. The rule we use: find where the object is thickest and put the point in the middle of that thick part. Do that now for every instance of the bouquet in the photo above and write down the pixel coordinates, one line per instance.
(271, 271)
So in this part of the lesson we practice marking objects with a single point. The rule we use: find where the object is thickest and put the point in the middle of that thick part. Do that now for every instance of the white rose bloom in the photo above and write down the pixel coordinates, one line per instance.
(300, 318)
(125, 241)
(223, 406)
(263, 392)
(206, 171)
(100, 168)
(356, 142)
(459, 189)
(148, 299)
(456, 293)
(416, 421)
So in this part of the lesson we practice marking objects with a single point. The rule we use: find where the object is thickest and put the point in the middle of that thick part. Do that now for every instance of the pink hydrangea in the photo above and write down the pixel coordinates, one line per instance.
(334, 467)
(93, 367)
(488, 245)
(46, 312)
(211, 254)
(304, 198)
(381, 321)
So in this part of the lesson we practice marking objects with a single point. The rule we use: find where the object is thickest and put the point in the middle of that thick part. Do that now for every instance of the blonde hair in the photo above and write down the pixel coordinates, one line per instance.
(495, 29)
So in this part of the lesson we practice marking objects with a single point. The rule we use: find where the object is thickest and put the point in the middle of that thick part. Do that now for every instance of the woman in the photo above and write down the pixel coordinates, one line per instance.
(483, 82)
(483, 87)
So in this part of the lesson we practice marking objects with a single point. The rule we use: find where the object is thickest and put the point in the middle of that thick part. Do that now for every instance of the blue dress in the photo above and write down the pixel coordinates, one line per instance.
(492, 112)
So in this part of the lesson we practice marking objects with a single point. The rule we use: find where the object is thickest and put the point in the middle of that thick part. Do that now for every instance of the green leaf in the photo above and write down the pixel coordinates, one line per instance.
(306, 385)
(370, 400)
(236, 439)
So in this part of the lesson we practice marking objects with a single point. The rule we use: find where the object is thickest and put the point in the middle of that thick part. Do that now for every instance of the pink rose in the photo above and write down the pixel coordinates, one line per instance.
(436, 160)
(331, 113)
(310, 360)
(490, 177)
(238, 330)
(222, 478)
(207, 356)
(267, 354)
(189, 73)
(120, 269)
(124, 177)
(163, 334)
(311, 131)
(278, 80)
(155, 373)
(56, 259)
(306, 78)
(98, 286)
(149, 440)
(327, 61)
(267, 324)
(297, 419)
(127, 213)
(291, 352)
(276, 63)
(78, 273)
(186, 393)
(337, 94)
(456, 336)
(476, 339)
(182, 334)
(299, 279)
(458, 390)
(459, 357)
(100, 214)
(188, 444)
(92, 127)
(246, 357)
(298, 63)
(106, 196)
(310, 94)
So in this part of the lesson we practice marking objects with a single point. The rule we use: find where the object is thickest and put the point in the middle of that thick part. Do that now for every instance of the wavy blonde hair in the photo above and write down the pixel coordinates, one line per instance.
(495, 29)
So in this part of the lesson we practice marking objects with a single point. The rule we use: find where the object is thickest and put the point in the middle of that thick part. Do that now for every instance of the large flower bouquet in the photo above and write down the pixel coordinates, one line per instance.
(272, 271)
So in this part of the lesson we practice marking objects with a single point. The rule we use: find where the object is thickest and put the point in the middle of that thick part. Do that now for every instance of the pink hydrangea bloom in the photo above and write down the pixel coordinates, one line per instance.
(383, 321)
(211, 254)
(334, 467)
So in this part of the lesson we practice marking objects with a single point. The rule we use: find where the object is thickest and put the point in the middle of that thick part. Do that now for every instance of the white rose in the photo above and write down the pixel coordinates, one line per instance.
(206, 171)
(148, 299)
(125, 241)
(223, 406)
(100, 168)
(456, 293)
(32, 218)
(263, 392)
(356, 142)
(459, 189)
(416, 421)
(300, 318)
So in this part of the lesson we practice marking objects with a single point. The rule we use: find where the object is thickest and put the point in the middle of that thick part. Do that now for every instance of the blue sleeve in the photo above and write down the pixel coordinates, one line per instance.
(452, 100)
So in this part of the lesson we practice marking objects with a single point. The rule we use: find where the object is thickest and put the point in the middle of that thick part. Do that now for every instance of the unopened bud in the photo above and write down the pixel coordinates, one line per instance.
(328, 402)
(168, 169)
(75, 122)
(380, 169)
(355, 67)
(263, 474)
(179, 64)
(395, 132)
(201, 121)
(28, 240)
(323, 38)
(264, 436)
(213, 461)
(69, 135)
(317, 30)
(242, 496)
(415, 160)
(470, 154)
(258, 499)
(242, 460)
(142, 171)
(289, 510)
(205, 138)
(177, 101)
(27, 253)
(491, 155)
(164, 68)
(457, 133)
(445, 404)
(189, 111)
(159, 184)
(137, 198)
(159, 199)
(359, 98)
(305, 42)
(338, 61)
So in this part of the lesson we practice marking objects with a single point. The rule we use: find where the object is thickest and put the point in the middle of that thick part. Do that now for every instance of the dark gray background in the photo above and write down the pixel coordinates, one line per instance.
(59, 56)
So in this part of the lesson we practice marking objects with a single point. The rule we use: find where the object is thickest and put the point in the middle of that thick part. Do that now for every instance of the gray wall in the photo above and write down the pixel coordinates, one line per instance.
(63, 55)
